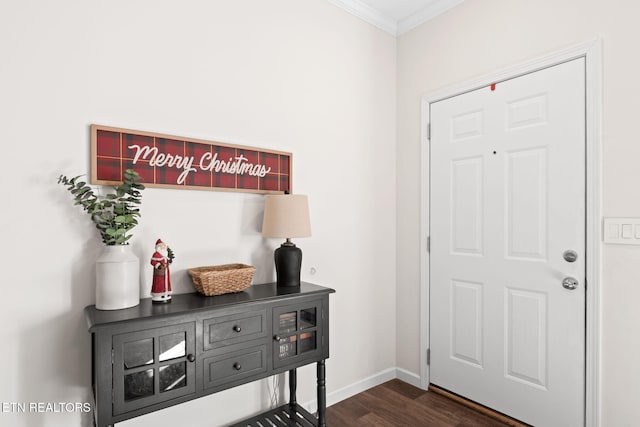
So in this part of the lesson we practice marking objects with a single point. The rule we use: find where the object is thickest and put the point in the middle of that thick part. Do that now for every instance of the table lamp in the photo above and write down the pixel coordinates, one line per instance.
(287, 215)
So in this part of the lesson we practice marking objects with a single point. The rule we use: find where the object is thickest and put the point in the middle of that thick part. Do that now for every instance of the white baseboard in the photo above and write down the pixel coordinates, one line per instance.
(365, 384)
(408, 377)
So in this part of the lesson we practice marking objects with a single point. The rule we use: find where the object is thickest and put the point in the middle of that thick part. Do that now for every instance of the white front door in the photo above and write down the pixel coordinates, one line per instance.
(507, 216)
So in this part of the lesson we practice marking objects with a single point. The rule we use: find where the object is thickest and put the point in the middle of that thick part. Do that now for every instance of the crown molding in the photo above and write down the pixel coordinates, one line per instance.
(390, 25)
(434, 9)
(368, 14)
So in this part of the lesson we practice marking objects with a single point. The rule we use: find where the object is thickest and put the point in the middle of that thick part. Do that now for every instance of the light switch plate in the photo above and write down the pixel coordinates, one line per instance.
(622, 231)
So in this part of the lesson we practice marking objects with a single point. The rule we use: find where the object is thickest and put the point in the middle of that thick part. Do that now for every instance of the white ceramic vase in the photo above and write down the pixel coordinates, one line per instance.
(117, 278)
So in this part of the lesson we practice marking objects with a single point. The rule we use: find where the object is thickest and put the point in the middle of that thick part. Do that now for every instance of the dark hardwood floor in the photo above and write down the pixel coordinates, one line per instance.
(398, 404)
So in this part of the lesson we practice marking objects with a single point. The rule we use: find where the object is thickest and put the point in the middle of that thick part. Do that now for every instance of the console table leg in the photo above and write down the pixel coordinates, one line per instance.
(322, 394)
(293, 385)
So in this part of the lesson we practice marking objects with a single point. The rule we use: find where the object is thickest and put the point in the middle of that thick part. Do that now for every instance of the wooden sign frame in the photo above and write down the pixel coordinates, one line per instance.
(169, 161)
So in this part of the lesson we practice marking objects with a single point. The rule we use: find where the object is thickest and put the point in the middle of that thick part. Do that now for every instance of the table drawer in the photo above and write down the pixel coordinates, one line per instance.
(234, 366)
(234, 328)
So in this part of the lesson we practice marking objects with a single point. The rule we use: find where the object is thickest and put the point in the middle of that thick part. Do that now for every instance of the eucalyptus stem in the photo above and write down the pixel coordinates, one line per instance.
(114, 214)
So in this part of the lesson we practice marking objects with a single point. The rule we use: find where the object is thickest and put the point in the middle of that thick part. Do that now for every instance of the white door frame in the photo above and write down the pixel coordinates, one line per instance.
(591, 51)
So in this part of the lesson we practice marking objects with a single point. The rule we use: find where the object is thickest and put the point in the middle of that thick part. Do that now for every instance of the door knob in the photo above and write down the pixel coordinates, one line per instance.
(570, 283)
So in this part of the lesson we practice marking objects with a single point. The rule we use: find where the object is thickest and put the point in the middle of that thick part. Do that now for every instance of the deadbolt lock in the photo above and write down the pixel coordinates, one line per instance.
(570, 255)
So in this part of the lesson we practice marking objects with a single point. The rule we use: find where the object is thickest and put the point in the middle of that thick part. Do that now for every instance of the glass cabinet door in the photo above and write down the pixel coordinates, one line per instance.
(297, 329)
(153, 365)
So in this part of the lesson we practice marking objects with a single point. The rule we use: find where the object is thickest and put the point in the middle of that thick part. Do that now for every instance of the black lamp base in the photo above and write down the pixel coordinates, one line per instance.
(288, 258)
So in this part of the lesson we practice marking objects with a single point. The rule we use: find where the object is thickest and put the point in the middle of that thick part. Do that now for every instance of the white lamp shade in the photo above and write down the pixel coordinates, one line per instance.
(286, 215)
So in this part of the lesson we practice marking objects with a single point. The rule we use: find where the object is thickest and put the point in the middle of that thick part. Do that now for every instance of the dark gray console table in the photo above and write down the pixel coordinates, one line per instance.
(152, 356)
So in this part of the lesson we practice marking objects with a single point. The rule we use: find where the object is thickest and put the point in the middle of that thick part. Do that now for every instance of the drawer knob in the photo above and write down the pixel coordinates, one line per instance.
(277, 338)
(237, 328)
(191, 358)
(237, 366)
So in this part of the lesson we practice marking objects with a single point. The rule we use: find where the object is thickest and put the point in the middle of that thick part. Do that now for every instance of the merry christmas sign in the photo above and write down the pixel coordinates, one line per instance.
(176, 162)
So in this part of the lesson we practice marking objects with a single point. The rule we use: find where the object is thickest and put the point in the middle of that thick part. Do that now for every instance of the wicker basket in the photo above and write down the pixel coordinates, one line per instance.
(222, 279)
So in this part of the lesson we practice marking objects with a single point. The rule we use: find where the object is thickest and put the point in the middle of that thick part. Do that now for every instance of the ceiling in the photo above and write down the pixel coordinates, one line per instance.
(396, 16)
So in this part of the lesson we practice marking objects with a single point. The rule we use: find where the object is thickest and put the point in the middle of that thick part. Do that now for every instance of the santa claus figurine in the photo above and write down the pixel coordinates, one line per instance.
(160, 260)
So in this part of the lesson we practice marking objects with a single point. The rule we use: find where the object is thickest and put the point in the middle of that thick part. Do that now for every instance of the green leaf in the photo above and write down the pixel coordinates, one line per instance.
(114, 214)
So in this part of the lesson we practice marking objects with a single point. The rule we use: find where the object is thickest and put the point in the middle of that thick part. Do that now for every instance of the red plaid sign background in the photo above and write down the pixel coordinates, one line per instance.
(169, 161)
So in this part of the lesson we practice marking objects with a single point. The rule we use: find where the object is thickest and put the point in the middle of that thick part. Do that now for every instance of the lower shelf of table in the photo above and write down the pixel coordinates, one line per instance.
(285, 415)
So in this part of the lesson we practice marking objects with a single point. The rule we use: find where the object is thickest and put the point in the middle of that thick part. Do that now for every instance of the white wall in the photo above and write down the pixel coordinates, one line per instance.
(479, 37)
(296, 76)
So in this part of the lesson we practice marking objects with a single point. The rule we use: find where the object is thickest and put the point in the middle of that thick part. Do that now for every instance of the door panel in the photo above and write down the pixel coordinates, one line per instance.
(466, 321)
(526, 204)
(507, 199)
(466, 211)
(526, 337)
